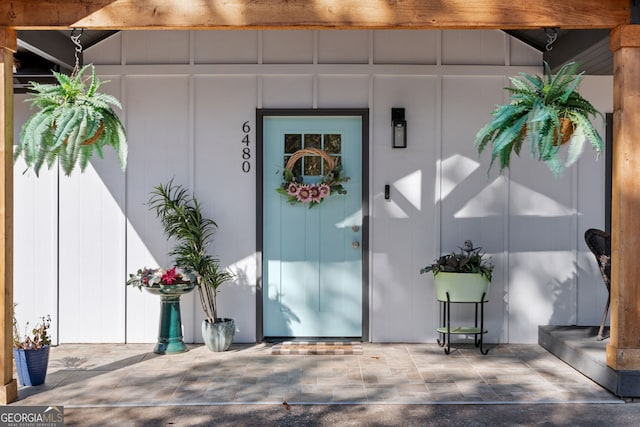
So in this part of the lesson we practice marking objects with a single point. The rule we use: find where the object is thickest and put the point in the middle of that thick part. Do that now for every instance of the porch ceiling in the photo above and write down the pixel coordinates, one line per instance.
(521, 18)
(588, 47)
(40, 51)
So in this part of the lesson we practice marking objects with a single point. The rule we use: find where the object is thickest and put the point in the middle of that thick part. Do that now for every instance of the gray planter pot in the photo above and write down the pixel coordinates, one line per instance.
(218, 336)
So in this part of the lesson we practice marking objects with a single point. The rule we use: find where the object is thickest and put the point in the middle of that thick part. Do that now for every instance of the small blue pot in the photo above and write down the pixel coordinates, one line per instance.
(31, 365)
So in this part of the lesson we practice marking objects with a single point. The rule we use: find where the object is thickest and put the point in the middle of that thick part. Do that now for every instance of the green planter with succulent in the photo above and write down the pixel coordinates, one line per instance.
(182, 219)
(31, 352)
(464, 275)
(549, 112)
(73, 121)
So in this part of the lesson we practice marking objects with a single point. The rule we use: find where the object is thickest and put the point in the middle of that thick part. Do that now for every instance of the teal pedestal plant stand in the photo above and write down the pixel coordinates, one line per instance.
(170, 338)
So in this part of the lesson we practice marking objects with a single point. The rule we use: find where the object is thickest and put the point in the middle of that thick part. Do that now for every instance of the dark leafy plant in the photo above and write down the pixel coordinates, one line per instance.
(546, 110)
(468, 260)
(182, 220)
(74, 120)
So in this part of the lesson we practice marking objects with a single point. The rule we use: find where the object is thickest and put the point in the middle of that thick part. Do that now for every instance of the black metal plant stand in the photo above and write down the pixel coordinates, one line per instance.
(446, 330)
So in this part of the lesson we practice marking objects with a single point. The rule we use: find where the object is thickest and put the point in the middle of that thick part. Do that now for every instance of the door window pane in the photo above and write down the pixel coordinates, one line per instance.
(313, 140)
(333, 143)
(292, 142)
(312, 165)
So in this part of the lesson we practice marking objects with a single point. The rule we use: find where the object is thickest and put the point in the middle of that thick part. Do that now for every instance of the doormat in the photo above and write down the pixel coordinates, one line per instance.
(317, 348)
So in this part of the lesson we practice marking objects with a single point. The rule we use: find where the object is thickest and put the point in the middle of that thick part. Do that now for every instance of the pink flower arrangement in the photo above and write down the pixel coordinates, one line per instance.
(304, 193)
(169, 276)
(325, 191)
(292, 190)
(156, 277)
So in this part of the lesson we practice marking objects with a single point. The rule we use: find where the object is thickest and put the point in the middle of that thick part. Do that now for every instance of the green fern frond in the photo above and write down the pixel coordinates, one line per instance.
(508, 135)
(535, 82)
(584, 125)
(504, 157)
(519, 85)
(85, 155)
(555, 165)
(570, 89)
(103, 101)
(575, 102)
(547, 74)
(93, 87)
(576, 146)
(68, 119)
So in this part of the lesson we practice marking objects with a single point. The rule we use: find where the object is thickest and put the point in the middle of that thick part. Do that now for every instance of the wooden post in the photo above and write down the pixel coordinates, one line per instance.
(623, 351)
(8, 41)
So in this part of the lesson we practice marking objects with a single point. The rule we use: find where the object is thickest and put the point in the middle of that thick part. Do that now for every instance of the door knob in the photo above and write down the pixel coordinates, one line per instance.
(355, 228)
(355, 245)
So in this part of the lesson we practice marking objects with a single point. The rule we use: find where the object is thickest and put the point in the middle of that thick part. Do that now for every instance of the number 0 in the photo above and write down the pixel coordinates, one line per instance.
(246, 166)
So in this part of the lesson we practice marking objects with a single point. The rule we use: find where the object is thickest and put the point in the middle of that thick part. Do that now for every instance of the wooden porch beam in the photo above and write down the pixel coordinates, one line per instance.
(9, 387)
(313, 14)
(623, 351)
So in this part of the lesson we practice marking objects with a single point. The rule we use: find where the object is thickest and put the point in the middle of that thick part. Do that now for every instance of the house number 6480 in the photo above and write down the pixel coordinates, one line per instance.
(246, 150)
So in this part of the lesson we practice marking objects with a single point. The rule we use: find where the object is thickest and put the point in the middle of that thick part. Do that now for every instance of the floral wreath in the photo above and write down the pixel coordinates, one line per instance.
(297, 192)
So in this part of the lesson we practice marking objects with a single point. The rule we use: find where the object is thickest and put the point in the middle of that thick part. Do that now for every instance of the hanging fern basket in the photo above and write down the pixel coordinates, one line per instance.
(548, 112)
(73, 121)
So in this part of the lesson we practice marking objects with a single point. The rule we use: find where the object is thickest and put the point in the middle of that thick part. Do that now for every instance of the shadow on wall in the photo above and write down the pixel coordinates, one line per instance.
(561, 293)
(535, 224)
(280, 319)
(240, 295)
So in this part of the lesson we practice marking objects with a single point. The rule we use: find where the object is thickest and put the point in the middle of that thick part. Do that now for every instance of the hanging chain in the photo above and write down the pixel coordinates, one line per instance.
(552, 35)
(75, 38)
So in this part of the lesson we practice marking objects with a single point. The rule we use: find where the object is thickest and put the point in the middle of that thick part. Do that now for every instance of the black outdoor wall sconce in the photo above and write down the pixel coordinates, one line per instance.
(399, 128)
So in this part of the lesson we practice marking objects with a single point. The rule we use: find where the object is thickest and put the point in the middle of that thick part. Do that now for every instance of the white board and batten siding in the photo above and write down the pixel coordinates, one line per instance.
(186, 96)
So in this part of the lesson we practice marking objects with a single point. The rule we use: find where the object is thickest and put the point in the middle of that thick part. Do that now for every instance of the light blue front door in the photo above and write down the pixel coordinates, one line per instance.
(312, 257)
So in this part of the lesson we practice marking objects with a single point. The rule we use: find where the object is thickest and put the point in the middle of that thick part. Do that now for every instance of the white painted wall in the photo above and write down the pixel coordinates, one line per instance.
(35, 248)
(185, 97)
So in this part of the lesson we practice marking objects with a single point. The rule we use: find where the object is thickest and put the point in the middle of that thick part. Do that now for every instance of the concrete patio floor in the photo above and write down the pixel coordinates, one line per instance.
(131, 375)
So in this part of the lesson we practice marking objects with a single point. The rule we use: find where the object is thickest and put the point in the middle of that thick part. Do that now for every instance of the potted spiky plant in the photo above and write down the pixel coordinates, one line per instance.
(548, 111)
(181, 217)
(73, 121)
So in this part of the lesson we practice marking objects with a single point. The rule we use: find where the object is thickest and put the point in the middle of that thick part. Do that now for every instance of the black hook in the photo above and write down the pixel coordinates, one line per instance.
(75, 39)
(552, 35)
